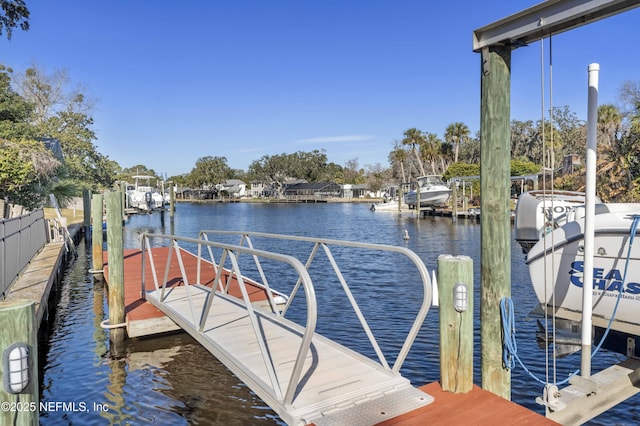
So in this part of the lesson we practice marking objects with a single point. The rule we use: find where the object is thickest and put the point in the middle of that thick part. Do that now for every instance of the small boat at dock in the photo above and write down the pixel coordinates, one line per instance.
(385, 206)
(431, 192)
(144, 198)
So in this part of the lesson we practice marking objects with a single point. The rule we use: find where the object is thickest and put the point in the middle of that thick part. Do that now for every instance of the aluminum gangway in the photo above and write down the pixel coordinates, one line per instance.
(302, 375)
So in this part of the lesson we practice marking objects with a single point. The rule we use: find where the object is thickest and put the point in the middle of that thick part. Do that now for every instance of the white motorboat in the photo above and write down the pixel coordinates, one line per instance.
(538, 212)
(556, 268)
(432, 192)
(385, 206)
(144, 197)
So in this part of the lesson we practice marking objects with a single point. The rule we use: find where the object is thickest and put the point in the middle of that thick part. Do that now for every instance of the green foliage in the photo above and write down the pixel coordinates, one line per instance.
(127, 174)
(209, 172)
(13, 107)
(14, 14)
(461, 169)
(26, 167)
(523, 167)
(310, 166)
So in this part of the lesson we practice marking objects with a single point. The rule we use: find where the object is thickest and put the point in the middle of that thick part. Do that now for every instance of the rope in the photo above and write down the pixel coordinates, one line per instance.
(106, 326)
(509, 346)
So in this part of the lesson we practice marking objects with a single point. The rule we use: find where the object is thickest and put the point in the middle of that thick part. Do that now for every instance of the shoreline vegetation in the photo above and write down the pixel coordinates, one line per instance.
(283, 200)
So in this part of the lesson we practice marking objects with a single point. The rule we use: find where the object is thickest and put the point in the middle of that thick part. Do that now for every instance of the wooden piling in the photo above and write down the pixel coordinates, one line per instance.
(456, 325)
(86, 207)
(18, 319)
(172, 200)
(418, 208)
(97, 209)
(115, 258)
(454, 202)
(495, 220)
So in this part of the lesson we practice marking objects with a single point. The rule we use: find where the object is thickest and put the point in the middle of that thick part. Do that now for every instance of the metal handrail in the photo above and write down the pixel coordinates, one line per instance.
(21, 238)
(246, 238)
(200, 318)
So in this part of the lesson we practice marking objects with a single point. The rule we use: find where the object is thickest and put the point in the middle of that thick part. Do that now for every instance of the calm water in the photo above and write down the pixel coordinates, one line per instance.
(172, 380)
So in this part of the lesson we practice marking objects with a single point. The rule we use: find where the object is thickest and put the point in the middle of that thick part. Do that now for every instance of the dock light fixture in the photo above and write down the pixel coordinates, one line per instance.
(16, 367)
(460, 302)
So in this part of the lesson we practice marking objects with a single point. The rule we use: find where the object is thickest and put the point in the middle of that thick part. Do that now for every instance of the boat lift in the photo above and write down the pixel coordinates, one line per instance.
(302, 375)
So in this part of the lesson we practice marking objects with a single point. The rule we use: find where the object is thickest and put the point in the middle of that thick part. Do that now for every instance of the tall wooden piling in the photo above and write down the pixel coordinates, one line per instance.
(115, 252)
(495, 220)
(86, 207)
(456, 322)
(18, 319)
(97, 210)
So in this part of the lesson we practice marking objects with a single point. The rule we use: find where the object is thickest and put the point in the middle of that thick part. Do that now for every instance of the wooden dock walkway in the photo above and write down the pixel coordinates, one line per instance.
(338, 387)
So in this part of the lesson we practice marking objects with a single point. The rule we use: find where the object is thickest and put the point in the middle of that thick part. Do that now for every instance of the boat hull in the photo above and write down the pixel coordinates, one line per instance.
(556, 268)
(390, 206)
(430, 198)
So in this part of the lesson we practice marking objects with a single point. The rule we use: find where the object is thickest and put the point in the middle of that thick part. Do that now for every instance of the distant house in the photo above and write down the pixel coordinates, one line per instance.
(313, 190)
(360, 190)
(235, 187)
(257, 189)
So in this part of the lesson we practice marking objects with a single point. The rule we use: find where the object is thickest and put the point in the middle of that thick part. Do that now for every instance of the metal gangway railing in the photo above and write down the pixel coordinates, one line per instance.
(287, 385)
(21, 238)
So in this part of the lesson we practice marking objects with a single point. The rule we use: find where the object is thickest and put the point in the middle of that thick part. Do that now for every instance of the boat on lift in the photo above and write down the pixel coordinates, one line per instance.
(432, 192)
(145, 198)
(556, 268)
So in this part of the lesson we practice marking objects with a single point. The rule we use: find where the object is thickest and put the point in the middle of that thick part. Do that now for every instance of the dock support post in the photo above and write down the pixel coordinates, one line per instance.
(115, 258)
(172, 201)
(418, 200)
(495, 219)
(97, 209)
(86, 207)
(454, 202)
(18, 340)
(455, 290)
(122, 187)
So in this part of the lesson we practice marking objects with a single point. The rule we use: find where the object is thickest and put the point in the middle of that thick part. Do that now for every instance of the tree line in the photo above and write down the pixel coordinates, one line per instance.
(36, 107)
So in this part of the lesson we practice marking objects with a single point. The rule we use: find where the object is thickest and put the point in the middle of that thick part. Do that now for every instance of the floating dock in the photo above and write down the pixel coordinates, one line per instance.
(337, 386)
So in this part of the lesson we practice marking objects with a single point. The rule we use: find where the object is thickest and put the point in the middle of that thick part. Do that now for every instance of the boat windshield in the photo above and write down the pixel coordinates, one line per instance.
(431, 181)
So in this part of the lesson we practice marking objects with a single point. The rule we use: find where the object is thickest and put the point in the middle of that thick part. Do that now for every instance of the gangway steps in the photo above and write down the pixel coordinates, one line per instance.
(338, 385)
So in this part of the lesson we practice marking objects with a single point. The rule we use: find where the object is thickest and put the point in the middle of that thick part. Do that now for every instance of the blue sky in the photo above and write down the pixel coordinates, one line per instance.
(176, 81)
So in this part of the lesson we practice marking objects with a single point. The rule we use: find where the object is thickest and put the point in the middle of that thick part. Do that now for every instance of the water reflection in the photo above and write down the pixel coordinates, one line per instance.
(166, 380)
(173, 380)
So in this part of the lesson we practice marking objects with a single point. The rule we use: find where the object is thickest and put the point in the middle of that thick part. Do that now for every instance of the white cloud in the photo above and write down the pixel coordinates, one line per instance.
(333, 139)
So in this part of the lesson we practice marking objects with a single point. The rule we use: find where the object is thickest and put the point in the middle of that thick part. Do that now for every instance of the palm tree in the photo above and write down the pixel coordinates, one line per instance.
(413, 137)
(431, 150)
(609, 121)
(456, 133)
(399, 156)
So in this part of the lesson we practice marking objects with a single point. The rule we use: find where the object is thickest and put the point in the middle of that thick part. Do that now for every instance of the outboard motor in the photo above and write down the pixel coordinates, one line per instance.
(148, 198)
(537, 211)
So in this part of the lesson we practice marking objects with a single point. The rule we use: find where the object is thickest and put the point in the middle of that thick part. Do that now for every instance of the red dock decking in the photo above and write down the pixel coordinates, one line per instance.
(144, 319)
(478, 407)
